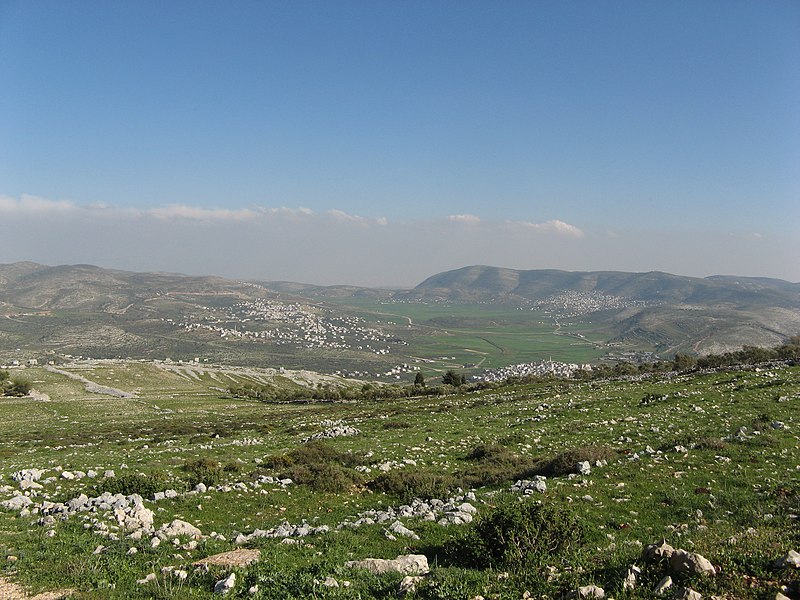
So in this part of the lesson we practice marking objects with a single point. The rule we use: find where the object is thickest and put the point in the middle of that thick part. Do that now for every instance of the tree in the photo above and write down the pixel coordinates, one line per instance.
(684, 362)
(419, 380)
(453, 378)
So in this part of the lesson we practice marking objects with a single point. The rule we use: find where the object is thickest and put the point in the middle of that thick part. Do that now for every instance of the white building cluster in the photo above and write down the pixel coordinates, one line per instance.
(575, 304)
(277, 322)
(536, 369)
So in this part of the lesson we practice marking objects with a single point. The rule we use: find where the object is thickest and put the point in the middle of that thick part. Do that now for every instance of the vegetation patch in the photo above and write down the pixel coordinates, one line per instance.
(566, 462)
(520, 535)
(408, 484)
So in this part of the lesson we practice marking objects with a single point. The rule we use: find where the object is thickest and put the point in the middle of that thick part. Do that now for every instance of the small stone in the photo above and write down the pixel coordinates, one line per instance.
(223, 586)
(587, 591)
(630, 578)
(663, 586)
(792, 559)
(148, 578)
(687, 594)
(408, 585)
(655, 552)
(330, 582)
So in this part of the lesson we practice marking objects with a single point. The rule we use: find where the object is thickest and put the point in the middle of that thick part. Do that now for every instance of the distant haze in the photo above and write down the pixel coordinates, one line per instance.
(337, 248)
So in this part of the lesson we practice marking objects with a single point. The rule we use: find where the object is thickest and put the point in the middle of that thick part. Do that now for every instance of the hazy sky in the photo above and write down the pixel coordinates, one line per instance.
(377, 143)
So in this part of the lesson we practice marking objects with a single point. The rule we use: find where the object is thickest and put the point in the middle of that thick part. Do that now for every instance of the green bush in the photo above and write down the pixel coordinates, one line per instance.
(517, 535)
(132, 483)
(325, 477)
(15, 387)
(317, 465)
(492, 464)
(408, 484)
(567, 462)
(203, 470)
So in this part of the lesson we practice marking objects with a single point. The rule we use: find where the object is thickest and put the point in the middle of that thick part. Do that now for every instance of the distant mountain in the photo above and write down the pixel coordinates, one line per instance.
(91, 288)
(88, 310)
(668, 312)
(482, 283)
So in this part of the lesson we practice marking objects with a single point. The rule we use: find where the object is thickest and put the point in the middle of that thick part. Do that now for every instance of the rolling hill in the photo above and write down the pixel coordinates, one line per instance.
(472, 315)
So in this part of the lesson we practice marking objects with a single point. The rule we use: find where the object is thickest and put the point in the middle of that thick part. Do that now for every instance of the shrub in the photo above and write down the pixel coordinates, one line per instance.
(325, 477)
(15, 387)
(319, 466)
(492, 465)
(567, 461)
(203, 470)
(407, 485)
(133, 483)
(517, 535)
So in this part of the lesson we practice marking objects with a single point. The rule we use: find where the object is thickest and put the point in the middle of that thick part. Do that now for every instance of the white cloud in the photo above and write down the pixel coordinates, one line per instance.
(197, 213)
(469, 219)
(34, 205)
(341, 216)
(300, 211)
(554, 226)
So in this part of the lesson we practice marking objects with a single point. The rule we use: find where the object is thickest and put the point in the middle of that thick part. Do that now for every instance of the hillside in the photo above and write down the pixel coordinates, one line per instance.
(475, 317)
(519, 491)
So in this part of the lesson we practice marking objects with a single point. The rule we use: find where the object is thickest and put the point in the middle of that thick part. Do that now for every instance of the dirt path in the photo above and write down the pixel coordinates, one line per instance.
(11, 591)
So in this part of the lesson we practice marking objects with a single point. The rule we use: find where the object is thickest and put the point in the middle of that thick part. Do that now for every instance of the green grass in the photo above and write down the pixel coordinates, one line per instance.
(732, 498)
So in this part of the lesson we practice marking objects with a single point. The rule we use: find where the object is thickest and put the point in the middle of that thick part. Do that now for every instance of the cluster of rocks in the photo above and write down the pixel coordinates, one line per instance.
(455, 511)
(129, 514)
(528, 487)
(284, 530)
(333, 432)
(31, 479)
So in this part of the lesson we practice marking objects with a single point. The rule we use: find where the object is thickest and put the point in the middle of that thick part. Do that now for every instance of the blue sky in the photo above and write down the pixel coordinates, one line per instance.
(417, 135)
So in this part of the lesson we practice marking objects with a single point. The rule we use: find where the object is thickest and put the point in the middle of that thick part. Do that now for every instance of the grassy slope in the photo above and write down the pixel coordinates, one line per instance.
(632, 500)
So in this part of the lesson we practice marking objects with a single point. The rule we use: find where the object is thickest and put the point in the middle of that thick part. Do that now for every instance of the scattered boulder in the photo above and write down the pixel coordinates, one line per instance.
(27, 474)
(178, 528)
(400, 529)
(410, 564)
(235, 558)
(528, 487)
(690, 562)
(16, 503)
(584, 467)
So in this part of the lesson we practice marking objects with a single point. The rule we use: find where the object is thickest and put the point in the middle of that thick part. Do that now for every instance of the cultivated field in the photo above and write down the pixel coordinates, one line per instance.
(708, 462)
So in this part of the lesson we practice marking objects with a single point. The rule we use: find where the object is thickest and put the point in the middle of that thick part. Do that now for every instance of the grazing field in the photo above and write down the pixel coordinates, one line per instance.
(708, 462)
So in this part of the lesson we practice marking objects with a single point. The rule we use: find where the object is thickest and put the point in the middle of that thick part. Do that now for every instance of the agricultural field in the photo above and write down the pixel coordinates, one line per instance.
(485, 335)
(143, 486)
